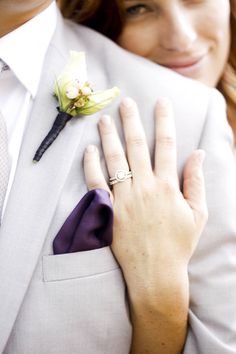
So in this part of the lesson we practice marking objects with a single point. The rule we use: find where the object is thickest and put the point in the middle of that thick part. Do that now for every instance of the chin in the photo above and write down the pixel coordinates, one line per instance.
(206, 80)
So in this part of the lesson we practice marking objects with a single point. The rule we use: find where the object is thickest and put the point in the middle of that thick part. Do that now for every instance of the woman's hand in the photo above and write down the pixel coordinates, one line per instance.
(156, 226)
(154, 221)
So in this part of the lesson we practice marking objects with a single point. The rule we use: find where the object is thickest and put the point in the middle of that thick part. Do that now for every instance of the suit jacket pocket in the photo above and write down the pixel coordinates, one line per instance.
(78, 264)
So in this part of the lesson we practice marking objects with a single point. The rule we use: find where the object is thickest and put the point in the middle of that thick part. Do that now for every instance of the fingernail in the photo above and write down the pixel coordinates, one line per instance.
(91, 148)
(105, 119)
(127, 102)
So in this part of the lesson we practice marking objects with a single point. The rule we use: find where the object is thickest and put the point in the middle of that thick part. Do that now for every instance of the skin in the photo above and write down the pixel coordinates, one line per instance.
(155, 282)
(14, 13)
(153, 249)
(191, 37)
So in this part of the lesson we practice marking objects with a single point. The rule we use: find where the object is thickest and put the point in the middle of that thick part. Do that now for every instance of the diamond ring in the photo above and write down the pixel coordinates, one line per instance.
(120, 176)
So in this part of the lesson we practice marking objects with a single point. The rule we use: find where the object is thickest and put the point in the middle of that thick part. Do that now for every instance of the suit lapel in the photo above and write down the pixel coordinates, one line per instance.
(35, 191)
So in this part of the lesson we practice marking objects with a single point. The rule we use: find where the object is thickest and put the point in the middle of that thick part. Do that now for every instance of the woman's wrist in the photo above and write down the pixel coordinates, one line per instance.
(166, 295)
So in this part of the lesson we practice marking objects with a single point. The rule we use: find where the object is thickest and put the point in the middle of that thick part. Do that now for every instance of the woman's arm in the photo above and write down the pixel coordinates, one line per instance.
(156, 227)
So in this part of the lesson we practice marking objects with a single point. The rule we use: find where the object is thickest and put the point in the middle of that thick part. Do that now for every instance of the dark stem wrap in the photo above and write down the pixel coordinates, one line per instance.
(59, 123)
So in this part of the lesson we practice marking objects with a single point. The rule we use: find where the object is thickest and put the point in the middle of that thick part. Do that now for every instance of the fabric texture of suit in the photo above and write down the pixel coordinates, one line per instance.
(76, 303)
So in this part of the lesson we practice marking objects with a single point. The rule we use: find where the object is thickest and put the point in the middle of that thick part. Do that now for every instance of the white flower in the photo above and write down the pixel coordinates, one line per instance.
(75, 94)
(72, 92)
(76, 98)
(86, 90)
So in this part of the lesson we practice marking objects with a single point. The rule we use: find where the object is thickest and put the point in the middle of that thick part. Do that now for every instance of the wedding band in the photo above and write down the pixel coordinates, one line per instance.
(120, 176)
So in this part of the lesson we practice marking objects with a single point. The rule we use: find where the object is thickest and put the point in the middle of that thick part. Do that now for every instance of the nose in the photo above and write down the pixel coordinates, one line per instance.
(178, 32)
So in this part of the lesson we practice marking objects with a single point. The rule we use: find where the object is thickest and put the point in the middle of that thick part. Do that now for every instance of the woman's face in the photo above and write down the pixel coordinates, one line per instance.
(191, 37)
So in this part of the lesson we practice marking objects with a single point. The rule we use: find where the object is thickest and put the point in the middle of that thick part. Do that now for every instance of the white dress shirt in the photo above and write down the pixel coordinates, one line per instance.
(23, 50)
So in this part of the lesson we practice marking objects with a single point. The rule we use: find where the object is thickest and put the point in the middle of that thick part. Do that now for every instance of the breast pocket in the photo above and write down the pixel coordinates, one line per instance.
(78, 264)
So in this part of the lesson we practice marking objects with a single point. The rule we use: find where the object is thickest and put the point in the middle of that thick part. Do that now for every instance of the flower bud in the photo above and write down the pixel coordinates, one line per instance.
(72, 92)
(86, 91)
(78, 84)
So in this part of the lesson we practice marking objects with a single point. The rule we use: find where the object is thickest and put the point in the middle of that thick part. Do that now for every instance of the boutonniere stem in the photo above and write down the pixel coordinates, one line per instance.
(59, 123)
(76, 98)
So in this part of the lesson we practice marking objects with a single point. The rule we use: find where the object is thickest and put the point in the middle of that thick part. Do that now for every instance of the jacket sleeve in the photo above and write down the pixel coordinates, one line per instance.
(212, 271)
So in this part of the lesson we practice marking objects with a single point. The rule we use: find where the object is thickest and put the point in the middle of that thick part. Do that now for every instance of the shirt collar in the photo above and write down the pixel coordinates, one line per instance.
(24, 49)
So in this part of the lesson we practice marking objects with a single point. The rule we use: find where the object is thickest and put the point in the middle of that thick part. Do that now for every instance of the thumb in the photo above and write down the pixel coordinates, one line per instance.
(194, 187)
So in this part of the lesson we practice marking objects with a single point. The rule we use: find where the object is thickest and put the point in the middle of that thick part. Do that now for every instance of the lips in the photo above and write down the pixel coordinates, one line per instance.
(185, 64)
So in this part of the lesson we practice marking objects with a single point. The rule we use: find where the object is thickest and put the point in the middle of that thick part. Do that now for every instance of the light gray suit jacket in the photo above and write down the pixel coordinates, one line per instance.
(76, 303)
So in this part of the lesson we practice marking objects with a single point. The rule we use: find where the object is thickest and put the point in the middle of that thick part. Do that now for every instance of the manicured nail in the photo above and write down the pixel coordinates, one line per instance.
(127, 102)
(91, 148)
(105, 119)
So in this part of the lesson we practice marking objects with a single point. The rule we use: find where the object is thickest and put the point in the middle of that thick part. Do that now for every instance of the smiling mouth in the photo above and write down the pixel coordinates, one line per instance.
(186, 66)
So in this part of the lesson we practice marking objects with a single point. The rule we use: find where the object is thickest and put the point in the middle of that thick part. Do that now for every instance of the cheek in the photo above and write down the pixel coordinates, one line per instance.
(138, 40)
(219, 33)
(216, 35)
(215, 24)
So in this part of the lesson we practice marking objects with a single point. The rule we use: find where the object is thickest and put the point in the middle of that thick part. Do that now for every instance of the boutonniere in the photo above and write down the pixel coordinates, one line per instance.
(76, 98)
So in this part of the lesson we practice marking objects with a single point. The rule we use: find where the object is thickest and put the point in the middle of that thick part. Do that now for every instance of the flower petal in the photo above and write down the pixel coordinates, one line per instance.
(97, 101)
(74, 72)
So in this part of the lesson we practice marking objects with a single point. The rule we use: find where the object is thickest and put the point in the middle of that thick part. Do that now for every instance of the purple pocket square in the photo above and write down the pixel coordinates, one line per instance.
(89, 226)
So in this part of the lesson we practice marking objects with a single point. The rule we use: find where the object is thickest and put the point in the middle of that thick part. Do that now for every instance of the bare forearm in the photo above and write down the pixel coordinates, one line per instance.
(160, 321)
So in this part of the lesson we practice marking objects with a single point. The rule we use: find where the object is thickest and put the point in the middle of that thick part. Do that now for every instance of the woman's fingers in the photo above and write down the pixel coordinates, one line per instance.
(113, 151)
(194, 186)
(165, 150)
(137, 149)
(92, 168)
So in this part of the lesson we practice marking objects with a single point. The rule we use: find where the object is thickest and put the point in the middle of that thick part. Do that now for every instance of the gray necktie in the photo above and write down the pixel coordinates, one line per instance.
(4, 161)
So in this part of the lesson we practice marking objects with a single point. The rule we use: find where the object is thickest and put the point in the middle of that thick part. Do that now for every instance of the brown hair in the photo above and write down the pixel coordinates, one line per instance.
(227, 84)
(108, 17)
(105, 16)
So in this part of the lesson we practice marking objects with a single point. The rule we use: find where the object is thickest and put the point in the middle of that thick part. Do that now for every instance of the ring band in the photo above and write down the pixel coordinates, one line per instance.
(120, 176)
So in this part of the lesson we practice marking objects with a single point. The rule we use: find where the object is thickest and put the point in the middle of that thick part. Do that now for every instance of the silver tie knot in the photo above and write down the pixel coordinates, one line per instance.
(3, 66)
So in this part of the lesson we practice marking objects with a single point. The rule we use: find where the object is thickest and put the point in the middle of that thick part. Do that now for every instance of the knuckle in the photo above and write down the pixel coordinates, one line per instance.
(107, 131)
(136, 141)
(89, 158)
(147, 194)
(168, 187)
(130, 111)
(115, 157)
(94, 184)
(166, 141)
(196, 181)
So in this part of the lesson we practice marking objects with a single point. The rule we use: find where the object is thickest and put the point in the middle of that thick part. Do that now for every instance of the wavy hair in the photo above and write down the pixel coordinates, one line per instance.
(227, 83)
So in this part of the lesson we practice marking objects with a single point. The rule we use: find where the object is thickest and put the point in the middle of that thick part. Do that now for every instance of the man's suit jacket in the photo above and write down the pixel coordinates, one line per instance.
(76, 303)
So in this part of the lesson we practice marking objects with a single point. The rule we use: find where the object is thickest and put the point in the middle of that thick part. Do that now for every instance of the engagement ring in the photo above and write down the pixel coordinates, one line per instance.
(120, 176)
